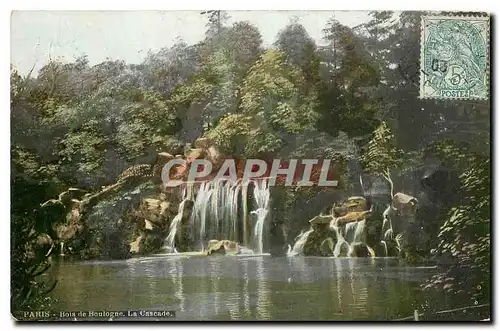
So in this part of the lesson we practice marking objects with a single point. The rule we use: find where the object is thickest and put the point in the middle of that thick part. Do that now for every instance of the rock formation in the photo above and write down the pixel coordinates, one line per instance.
(131, 216)
(225, 247)
(331, 235)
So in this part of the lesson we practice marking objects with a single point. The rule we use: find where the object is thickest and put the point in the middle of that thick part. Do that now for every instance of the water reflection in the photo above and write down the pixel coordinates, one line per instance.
(246, 297)
(263, 298)
(239, 288)
(214, 273)
(338, 281)
(176, 272)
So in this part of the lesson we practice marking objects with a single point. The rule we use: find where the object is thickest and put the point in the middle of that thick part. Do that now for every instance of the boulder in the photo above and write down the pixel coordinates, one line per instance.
(164, 157)
(321, 219)
(317, 242)
(135, 246)
(226, 247)
(214, 155)
(210, 151)
(68, 232)
(151, 204)
(405, 204)
(161, 159)
(202, 142)
(327, 246)
(195, 153)
(350, 217)
(40, 247)
(151, 209)
(70, 194)
(148, 225)
(351, 204)
(164, 206)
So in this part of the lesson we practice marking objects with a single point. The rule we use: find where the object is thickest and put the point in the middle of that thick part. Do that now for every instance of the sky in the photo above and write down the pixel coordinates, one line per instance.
(37, 36)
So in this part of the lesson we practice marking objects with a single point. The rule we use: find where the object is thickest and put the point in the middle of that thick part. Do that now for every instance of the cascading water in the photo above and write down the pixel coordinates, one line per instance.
(298, 247)
(216, 213)
(360, 227)
(235, 189)
(340, 240)
(244, 200)
(347, 235)
(398, 241)
(385, 247)
(387, 225)
(350, 229)
(261, 195)
(170, 241)
(199, 215)
(350, 240)
(388, 232)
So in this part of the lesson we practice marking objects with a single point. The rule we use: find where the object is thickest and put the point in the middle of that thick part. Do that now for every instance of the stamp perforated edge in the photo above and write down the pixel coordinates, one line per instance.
(471, 17)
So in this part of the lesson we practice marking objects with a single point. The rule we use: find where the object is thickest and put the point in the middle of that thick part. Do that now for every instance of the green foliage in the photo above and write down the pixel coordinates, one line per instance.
(150, 123)
(28, 290)
(348, 97)
(452, 155)
(195, 91)
(263, 144)
(231, 133)
(271, 93)
(465, 238)
(29, 261)
(381, 153)
(299, 50)
(85, 147)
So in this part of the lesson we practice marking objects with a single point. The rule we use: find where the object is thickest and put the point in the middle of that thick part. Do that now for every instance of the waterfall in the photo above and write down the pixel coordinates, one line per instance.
(349, 228)
(244, 199)
(388, 231)
(235, 189)
(347, 235)
(298, 247)
(217, 213)
(214, 215)
(214, 206)
(199, 215)
(360, 227)
(170, 241)
(398, 241)
(385, 246)
(261, 195)
(340, 240)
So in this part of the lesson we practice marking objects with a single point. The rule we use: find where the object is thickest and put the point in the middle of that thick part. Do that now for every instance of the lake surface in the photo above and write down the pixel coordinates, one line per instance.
(244, 288)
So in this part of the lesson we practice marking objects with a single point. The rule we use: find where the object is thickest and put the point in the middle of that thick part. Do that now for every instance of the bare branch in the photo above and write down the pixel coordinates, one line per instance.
(31, 71)
(361, 183)
(387, 177)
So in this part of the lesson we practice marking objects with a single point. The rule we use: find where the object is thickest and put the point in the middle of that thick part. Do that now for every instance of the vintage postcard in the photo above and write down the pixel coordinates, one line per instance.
(250, 166)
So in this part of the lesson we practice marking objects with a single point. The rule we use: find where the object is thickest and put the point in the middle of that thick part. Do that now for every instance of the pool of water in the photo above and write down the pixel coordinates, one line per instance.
(244, 288)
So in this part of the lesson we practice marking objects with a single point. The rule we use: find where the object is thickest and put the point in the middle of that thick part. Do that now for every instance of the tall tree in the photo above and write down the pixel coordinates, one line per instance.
(348, 101)
(299, 50)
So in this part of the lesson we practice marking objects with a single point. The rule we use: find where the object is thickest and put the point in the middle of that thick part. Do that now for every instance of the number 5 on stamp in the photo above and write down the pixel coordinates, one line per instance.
(454, 57)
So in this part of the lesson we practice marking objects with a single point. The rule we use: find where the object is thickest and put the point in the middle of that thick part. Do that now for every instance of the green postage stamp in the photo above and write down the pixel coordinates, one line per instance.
(454, 57)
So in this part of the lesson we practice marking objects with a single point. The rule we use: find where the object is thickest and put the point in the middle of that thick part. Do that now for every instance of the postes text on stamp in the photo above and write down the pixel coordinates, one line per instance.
(454, 57)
